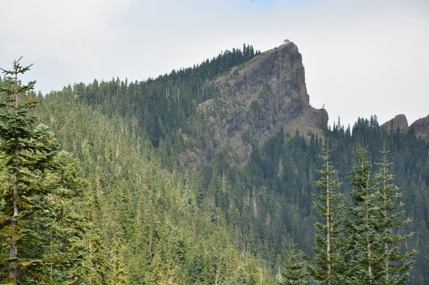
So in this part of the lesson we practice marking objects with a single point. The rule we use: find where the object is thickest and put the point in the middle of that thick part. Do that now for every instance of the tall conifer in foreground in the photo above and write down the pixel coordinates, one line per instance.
(325, 267)
(23, 163)
(396, 266)
(43, 232)
(374, 216)
(363, 228)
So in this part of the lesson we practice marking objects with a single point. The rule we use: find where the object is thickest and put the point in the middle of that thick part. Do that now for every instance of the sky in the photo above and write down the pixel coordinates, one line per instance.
(361, 57)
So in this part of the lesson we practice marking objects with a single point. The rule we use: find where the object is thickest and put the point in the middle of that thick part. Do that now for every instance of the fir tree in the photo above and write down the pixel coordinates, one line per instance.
(363, 228)
(119, 273)
(396, 266)
(294, 272)
(325, 267)
(42, 222)
(26, 154)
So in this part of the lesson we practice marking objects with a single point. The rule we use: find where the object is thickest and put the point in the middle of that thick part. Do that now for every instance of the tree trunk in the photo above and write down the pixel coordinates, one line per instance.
(13, 265)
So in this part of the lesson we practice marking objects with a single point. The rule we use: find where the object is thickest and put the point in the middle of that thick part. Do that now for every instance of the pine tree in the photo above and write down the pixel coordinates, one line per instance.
(396, 265)
(325, 267)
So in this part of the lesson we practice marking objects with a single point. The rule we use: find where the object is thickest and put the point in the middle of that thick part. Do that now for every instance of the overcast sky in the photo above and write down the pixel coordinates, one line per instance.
(361, 57)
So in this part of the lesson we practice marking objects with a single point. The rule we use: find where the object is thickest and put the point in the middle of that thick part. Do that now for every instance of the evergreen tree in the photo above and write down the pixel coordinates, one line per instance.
(74, 246)
(41, 222)
(363, 226)
(26, 154)
(119, 274)
(396, 265)
(325, 267)
(241, 277)
(295, 272)
(373, 218)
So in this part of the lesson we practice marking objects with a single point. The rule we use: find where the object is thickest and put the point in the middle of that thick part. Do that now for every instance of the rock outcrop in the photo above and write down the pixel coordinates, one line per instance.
(256, 100)
(400, 121)
(421, 128)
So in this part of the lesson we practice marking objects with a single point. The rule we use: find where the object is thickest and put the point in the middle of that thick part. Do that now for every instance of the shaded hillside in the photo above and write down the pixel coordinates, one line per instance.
(271, 199)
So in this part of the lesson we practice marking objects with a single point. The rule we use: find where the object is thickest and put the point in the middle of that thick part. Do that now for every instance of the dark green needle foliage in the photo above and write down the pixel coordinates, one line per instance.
(326, 266)
(396, 266)
(373, 226)
(159, 219)
(363, 227)
(41, 224)
(25, 154)
(294, 269)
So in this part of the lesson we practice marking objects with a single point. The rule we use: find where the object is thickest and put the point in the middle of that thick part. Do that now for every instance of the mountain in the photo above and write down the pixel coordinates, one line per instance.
(256, 100)
(229, 145)
(207, 175)
(420, 127)
(400, 121)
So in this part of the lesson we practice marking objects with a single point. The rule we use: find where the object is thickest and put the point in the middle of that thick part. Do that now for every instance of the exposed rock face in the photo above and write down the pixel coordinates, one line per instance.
(257, 100)
(400, 121)
(421, 128)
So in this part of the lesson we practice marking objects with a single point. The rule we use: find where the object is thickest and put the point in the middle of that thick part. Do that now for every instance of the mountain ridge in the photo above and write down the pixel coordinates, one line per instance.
(420, 126)
(265, 204)
(257, 99)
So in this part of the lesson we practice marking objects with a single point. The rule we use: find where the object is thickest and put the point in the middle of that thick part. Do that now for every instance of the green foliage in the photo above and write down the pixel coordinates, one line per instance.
(364, 247)
(119, 273)
(164, 105)
(364, 224)
(328, 263)
(396, 266)
(41, 213)
(170, 228)
(369, 231)
(236, 220)
(295, 269)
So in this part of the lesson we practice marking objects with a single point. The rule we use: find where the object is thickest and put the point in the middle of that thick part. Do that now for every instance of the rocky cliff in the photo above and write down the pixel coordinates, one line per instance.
(400, 121)
(256, 100)
(421, 126)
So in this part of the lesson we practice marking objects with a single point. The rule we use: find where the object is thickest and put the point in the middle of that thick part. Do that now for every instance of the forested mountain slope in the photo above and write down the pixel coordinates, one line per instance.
(252, 109)
(207, 175)
(151, 224)
(237, 99)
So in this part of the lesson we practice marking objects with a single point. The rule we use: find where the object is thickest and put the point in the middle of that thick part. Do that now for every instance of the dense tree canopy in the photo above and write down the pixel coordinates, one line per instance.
(119, 202)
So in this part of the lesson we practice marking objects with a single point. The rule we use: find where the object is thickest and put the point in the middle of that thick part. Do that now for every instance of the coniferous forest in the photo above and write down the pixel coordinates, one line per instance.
(93, 191)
